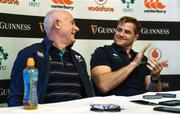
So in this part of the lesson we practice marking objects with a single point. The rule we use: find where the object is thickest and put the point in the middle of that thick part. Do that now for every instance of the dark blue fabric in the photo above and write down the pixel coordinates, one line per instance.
(114, 57)
(64, 80)
(39, 52)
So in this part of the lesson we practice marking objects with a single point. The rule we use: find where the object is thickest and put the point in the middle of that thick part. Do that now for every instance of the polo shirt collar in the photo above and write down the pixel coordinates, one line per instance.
(118, 49)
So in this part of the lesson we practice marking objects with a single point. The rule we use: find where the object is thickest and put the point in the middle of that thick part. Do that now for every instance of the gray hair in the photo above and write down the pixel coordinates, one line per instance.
(48, 20)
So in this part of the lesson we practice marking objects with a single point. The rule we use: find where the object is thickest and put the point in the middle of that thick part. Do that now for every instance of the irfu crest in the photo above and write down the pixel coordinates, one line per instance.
(128, 2)
(3, 55)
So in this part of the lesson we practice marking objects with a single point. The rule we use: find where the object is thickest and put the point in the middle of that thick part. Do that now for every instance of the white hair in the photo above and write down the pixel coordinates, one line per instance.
(48, 21)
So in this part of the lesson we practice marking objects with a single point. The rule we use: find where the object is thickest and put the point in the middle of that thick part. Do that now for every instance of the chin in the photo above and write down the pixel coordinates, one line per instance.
(118, 42)
(72, 42)
(73, 39)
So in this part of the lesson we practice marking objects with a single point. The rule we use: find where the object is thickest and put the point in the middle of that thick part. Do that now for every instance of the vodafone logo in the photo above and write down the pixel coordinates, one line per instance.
(14, 2)
(101, 7)
(101, 2)
(64, 2)
(154, 4)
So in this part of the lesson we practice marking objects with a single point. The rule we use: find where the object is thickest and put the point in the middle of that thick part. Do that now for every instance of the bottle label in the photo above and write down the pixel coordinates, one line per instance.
(30, 87)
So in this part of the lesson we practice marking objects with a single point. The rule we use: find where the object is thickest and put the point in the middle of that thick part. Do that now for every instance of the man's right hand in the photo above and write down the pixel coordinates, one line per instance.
(139, 56)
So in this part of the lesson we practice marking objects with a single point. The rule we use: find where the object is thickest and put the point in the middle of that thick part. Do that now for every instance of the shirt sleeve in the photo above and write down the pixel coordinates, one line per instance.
(99, 57)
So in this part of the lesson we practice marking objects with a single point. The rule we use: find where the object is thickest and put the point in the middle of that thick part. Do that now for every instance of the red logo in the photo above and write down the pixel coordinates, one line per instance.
(155, 53)
(15, 2)
(154, 4)
(67, 2)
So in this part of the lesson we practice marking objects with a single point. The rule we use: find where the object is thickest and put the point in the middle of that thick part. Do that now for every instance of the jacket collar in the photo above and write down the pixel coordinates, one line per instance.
(48, 44)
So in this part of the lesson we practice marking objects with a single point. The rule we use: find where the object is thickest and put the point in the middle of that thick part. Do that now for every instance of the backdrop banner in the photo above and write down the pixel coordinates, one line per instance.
(21, 24)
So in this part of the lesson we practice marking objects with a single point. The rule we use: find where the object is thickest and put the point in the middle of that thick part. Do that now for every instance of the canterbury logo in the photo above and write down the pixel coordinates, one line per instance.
(154, 4)
(67, 2)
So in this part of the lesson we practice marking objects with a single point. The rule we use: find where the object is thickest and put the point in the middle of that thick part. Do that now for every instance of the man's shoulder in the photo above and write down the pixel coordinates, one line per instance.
(75, 52)
(31, 49)
(103, 48)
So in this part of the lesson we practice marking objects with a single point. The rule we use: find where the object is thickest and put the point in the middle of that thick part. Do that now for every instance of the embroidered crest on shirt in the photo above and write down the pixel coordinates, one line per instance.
(78, 57)
(40, 54)
(115, 55)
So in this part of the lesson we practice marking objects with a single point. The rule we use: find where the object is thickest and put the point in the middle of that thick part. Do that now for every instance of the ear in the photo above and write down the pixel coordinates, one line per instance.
(136, 37)
(58, 24)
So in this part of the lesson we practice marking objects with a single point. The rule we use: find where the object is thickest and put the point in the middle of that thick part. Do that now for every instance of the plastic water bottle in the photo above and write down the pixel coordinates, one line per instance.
(30, 75)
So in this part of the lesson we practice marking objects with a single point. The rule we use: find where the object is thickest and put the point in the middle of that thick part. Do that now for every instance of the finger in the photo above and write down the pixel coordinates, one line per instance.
(154, 71)
(150, 68)
(146, 47)
(165, 63)
(151, 63)
(157, 66)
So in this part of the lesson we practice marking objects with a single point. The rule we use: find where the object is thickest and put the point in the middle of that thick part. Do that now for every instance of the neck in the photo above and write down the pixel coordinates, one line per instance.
(128, 51)
(59, 46)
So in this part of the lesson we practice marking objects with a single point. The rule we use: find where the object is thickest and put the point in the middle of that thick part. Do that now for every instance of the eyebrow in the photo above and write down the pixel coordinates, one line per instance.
(73, 21)
(119, 28)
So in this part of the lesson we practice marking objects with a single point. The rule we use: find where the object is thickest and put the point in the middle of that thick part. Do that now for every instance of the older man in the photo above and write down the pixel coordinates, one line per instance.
(62, 71)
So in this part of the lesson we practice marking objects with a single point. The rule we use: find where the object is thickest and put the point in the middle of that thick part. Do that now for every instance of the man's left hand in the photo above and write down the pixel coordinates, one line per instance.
(155, 67)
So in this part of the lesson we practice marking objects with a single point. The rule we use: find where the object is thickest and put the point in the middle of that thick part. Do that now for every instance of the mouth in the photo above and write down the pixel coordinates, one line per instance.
(73, 33)
(120, 38)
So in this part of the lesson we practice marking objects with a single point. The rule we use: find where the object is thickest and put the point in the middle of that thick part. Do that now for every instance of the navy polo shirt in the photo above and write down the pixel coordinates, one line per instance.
(116, 58)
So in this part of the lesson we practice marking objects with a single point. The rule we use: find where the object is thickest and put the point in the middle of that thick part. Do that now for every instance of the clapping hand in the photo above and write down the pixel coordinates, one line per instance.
(155, 67)
(140, 54)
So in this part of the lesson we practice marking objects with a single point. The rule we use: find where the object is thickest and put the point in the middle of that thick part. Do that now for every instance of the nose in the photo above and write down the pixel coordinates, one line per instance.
(76, 28)
(121, 33)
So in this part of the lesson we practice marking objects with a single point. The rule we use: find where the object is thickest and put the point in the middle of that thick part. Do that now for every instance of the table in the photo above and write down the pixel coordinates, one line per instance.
(82, 106)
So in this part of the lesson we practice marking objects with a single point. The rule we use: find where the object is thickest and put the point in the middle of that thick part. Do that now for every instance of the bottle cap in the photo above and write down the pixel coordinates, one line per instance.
(30, 62)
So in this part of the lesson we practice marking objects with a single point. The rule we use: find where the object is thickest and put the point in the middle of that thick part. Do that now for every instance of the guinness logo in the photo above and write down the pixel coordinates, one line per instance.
(157, 31)
(102, 30)
(41, 26)
(94, 29)
(3, 92)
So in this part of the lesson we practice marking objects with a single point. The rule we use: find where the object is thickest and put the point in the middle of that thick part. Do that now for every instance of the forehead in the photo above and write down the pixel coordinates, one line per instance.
(66, 17)
(127, 26)
(62, 15)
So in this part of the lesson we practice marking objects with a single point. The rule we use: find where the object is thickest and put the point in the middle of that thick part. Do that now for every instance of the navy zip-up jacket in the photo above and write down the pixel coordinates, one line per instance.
(39, 52)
